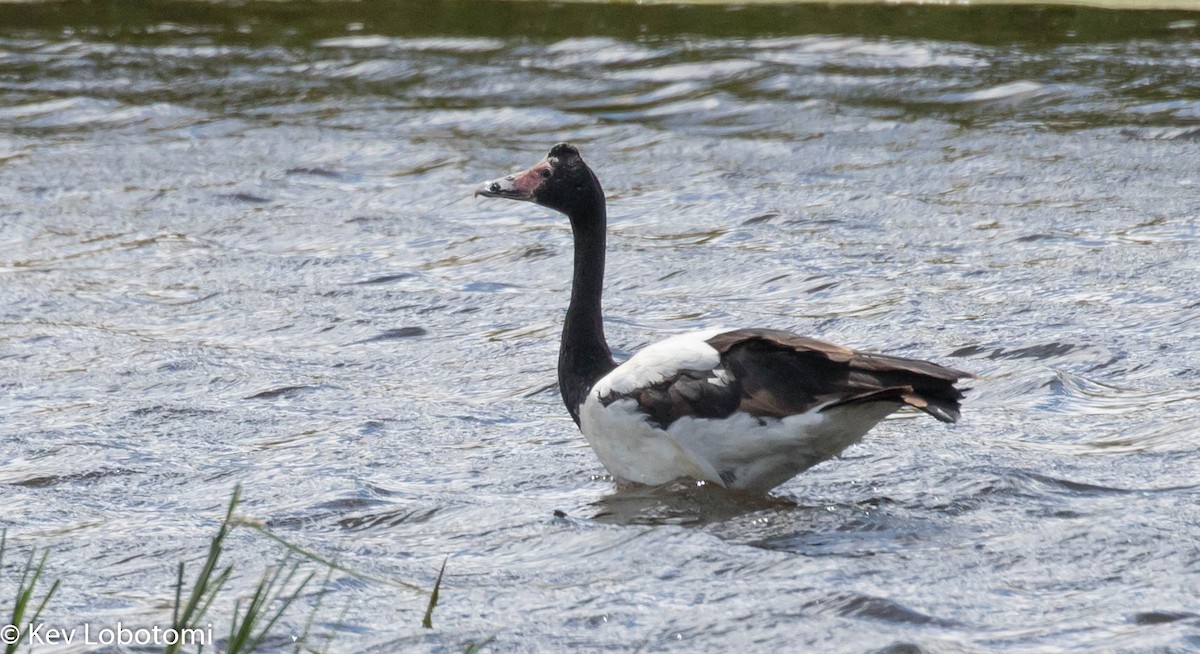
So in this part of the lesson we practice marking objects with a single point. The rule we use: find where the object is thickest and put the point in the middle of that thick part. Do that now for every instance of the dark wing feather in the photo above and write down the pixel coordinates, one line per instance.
(687, 393)
(771, 373)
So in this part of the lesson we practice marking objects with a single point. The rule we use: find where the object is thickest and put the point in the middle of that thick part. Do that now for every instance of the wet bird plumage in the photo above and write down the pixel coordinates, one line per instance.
(742, 408)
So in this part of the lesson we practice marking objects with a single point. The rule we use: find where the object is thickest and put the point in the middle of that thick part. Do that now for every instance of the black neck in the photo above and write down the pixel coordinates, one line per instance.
(583, 356)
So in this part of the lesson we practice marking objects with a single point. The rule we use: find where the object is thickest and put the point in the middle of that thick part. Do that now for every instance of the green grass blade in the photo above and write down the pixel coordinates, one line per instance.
(340, 621)
(31, 574)
(317, 558)
(284, 605)
(249, 630)
(206, 587)
(433, 597)
(178, 594)
(231, 644)
(241, 629)
(302, 639)
(25, 592)
(45, 600)
(475, 648)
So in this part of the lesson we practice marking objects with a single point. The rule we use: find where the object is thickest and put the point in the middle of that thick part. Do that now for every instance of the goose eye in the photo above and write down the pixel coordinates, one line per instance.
(545, 173)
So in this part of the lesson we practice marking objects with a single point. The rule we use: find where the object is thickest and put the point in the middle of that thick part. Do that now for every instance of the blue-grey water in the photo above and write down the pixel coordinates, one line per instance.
(238, 246)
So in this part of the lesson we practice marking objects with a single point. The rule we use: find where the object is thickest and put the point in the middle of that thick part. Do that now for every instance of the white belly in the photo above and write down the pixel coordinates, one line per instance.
(739, 451)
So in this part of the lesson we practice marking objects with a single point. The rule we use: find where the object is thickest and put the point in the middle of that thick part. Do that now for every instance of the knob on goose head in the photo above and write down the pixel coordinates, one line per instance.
(561, 181)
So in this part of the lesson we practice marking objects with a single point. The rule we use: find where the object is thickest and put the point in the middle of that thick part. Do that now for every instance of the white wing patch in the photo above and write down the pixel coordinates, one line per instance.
(659, 361)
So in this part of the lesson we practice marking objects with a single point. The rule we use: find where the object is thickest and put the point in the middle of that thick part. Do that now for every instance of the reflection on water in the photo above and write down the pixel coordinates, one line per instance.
(239, 246)
(681, 503)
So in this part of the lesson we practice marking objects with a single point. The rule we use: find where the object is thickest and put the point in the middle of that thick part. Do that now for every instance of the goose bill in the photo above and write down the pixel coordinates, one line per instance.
(519, 186)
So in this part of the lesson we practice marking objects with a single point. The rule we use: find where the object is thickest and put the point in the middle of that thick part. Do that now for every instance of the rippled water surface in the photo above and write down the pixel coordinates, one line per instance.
(238, 245)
